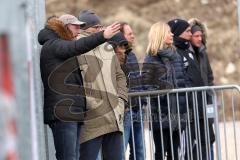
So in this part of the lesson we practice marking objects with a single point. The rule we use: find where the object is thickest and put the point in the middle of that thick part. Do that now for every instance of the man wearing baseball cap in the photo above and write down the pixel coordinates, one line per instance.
(72, 23)
(101, 70)
(92, 21)
(64, 102)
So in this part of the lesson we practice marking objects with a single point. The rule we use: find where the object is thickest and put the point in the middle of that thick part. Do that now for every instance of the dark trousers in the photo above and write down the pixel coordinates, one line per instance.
(164, 151)
(206, 152)
(111, 144)
(66, 140)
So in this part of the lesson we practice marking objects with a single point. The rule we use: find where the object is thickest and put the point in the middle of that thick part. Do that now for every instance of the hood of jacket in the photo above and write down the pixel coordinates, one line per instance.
(195, 21)
(54, 29)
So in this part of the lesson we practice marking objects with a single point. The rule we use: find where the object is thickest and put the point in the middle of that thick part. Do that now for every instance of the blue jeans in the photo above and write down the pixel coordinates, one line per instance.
(212, 152)
(66, 140)
(99, 156)
(138, 132)
(110, 143)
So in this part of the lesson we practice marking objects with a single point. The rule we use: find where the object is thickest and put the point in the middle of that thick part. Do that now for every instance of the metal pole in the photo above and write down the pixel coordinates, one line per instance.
(33, 21)
(219, 155)
(238, 10)
(17, 26)
(36, 18)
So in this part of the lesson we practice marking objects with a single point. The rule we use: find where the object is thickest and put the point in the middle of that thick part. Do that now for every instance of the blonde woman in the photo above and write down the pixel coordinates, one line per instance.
(161, 55)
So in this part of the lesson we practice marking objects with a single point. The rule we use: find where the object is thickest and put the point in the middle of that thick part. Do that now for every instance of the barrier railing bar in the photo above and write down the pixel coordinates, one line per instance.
(204, 88)
(217, 133)
(224, 120)
(234, 124)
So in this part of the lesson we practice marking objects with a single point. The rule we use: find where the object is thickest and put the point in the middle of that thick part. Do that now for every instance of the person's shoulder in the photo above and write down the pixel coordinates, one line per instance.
(203, 49)
(180, 50)
(131, 57)
(152, 59)
(131, 53)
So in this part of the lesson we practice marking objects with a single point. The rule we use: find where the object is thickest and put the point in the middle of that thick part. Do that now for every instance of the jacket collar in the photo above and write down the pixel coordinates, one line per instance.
(201, 49)
(181, 43)
(59, 28)
(54, 29)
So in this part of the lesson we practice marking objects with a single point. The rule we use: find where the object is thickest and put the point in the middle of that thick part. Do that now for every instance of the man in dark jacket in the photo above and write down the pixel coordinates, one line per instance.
(182, 36)
(133, 117)
(63, 94)
(198, 47)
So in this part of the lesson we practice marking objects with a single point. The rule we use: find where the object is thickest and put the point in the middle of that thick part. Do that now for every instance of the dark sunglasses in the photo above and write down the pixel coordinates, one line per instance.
(97, 27)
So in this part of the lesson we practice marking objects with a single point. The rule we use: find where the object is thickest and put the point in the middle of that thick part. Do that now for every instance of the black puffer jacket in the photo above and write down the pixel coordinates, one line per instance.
(193, 71)
(190, 65)
(59, 68)
(173, 77)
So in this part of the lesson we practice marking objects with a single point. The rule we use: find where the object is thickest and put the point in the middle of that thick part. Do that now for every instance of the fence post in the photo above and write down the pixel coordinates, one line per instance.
(23, 21)
(34, 23)
(238, 11)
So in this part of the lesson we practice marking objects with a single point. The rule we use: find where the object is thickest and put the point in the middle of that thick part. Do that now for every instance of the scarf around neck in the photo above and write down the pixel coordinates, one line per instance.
(181, 43)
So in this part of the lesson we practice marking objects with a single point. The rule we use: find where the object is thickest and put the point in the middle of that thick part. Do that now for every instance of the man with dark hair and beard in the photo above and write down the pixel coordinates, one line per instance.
(198, 47)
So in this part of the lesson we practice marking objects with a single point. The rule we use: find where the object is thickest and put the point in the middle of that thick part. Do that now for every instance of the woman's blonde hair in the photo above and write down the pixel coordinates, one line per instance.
(156, 37)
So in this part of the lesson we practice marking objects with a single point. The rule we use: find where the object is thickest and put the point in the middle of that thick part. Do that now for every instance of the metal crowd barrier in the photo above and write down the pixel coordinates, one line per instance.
(189, 134)
(221, 108)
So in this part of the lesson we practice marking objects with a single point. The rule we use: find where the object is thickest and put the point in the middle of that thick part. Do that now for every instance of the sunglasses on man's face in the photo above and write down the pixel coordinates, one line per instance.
(97, 26)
